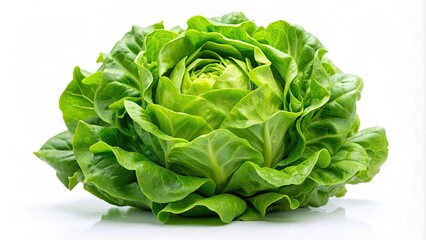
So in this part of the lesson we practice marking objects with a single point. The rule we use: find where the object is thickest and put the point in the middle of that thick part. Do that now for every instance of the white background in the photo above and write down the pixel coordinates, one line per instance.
(382, 41)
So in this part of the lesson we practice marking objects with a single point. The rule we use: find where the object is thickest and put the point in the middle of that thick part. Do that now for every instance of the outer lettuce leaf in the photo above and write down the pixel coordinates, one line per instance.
(231, 18)
(226, 206)
(152, 137)
(345, 163)
(120, 78)
(329, 127)
(310, 193)
(104, 175)
(58, 153)
(250, 179)
(76, 101)
(146, 60)
(317, 94)
(157, 183)
(266, 202)
(358, 160)
(235, 20)
(375, 143)
(291, 39)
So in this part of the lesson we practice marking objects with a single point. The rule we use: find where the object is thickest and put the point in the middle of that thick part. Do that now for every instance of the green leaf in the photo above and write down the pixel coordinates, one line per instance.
(231, 18)
(156, 140)
(163, 186)
(193, 41)
(178, 125)
(101, 168)
(224, 100)
(75, 179)
(236, 21)
(101, 57)
(283, 64)
(216, 155)
(147, 62)
(330, 67)
(157, 183)
(263, 75)
(93, 79)
(318, 85)
(104, 195)
(232, 77)
(250, 179)
(213, 50)
(310, 193)
(266, 202)
(261, 123)
(296, 42)
(268, 137)
(345, 163)
(329, 127)
(154, 41)
(120, 78)
(169, 97)
(291, 39)
(375, 143)
(200, 76)
(58, 153)
(253, 108)
(226, 206)
(317, 94)
(76, 102)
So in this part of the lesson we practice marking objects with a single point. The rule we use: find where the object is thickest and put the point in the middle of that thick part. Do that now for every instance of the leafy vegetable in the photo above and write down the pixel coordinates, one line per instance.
(224, 118)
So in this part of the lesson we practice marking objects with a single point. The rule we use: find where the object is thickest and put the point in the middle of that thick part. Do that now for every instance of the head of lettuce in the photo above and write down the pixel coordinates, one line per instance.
(225, 118)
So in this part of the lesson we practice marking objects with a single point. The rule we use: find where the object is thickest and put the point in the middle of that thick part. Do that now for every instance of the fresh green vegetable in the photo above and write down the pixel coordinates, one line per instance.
(224, 118)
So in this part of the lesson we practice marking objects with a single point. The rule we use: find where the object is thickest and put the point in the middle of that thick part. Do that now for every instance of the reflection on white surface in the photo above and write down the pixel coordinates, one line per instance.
(325, 223)
(92, 219)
